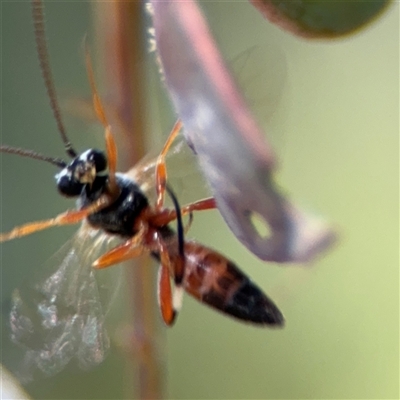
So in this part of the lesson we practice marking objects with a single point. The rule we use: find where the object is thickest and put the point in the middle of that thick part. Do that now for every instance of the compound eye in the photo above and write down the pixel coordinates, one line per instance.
(68, 186)
(99, 159)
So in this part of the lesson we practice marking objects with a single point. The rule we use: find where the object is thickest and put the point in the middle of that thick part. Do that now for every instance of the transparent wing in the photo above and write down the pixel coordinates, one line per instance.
(60, 316)
(184, 175)
(252, 69)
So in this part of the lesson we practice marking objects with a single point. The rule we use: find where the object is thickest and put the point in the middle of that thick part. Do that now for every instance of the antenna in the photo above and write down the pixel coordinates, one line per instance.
(31, 154)
(43, 55)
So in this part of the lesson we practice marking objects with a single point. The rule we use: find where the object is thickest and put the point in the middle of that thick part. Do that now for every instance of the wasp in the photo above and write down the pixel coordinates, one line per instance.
(115, 205)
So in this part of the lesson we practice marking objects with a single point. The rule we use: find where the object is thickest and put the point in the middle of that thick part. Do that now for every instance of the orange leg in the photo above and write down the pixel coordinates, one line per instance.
(67, 218)
(165, 295)
(166, 216)
(130, 249)
(189, 224)
(161, 168)
(200, 205)
(170, 303)
(101, 115)
(118, 254)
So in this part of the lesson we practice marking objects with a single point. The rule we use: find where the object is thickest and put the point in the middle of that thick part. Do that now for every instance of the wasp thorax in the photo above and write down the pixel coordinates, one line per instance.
(83, 170)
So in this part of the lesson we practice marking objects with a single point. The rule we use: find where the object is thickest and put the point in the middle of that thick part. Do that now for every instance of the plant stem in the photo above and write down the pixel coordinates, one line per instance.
(120, 37)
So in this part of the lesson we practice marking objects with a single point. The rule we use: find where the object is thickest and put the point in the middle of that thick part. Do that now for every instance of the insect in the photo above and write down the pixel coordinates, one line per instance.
(109, 205)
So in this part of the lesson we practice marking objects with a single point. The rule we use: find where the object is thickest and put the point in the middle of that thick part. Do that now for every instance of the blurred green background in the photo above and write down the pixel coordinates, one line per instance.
(332, 112)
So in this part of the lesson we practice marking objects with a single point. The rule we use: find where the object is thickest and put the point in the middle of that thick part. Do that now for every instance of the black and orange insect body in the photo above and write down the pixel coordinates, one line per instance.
(200, 271)
(215, 280)
(115, 204)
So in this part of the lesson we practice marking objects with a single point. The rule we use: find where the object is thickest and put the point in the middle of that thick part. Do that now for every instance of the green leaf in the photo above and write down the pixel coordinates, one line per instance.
(321, 18)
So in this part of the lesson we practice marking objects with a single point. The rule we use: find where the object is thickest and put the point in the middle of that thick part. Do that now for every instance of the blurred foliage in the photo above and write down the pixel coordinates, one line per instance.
(321, 18)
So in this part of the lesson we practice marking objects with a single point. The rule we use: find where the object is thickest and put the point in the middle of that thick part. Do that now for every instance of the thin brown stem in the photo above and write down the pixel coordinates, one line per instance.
(119, 34)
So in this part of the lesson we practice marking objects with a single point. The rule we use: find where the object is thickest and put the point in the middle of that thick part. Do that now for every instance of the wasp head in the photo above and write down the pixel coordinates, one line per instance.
(83, 170)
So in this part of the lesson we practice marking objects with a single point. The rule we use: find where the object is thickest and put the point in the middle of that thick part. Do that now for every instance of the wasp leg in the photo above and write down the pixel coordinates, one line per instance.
(67, 218)
(123, 252)
(130, 249)
(111, 146)
(165, 295)
(189, 224)
(166, 216)
(161, 168)
(200, 205)
(170, 301)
